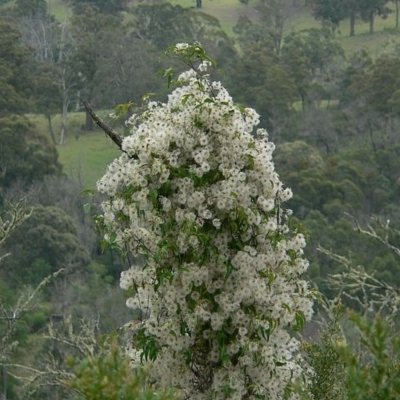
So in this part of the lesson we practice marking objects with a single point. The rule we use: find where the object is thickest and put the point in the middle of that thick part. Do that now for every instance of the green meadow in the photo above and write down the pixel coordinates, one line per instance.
(85, 155)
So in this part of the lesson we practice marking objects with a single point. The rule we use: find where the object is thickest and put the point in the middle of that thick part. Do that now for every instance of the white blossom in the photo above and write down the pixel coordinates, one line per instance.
(221, 284)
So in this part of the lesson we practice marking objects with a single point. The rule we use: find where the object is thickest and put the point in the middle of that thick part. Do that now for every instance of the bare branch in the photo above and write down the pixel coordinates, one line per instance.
(371, 294)
(371, 232)
(110, 132)
(16, 214)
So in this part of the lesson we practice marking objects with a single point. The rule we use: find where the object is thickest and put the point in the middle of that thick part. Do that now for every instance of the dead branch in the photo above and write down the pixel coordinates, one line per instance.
(16, 214)
(110, 132)
(371, 232)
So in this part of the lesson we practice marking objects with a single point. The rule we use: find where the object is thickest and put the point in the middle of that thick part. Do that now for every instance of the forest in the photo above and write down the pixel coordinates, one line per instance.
(324, 76)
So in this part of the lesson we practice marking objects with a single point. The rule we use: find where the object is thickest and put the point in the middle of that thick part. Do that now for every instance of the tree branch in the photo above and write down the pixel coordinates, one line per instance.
(110, 132)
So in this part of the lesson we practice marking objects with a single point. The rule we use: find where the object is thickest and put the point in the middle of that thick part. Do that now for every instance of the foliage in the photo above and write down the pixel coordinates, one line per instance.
(334, 11)
(103, 6)
(48, 93)
(163, 24)
(261, 81)
(109, 376)
(196, 195)
(378, 376)
(363, 367)
(326, 376)
(273, 17)
(362, 362)
(20, 309)
(43, 244)
(15, 79)
(26, 155)
(337, 10)
(310, 57)
(31, 8)
(369, 9)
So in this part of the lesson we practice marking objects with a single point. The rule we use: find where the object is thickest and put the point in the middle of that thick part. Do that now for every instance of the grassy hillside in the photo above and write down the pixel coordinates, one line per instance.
(85, 159)
(228, 12)
(85, 156)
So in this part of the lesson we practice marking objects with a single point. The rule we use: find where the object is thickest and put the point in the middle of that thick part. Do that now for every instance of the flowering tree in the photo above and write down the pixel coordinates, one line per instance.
(195, 194)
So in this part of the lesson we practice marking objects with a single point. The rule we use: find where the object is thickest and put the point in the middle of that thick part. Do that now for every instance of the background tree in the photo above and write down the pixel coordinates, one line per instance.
(260, 80)
(274, 14)
(26, 155)
(333, 11)
(31, 9)
(309, 57)
(15, 79)
(165, 24)
(103, 6)
(90, 32)
(396, 11)
(53, 244)
(48, 96)
(369, 9)
(268, 29)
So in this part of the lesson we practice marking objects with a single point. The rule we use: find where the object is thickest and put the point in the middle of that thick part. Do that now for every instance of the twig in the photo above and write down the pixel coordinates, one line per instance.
(373, 234)
(113, 135)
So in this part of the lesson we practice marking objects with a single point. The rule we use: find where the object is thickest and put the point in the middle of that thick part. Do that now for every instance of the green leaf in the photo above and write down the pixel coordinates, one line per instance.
(229, 269)
(188, 356)
(186, 97)
(122, 109)
(279, 363)
(87, 207)
(300, 321)
(112, 238)
(103, 245)
(88, 192)
(147, 96)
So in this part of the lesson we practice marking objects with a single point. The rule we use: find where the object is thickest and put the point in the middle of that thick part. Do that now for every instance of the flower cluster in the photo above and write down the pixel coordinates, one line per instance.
(221, 287)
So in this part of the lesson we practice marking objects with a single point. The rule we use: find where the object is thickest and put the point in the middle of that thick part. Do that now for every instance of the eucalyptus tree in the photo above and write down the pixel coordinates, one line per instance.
(370, 9)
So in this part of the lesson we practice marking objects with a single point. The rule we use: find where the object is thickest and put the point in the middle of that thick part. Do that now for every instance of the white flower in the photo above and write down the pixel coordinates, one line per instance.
(221, 273)
(216, 222)
(206, 214)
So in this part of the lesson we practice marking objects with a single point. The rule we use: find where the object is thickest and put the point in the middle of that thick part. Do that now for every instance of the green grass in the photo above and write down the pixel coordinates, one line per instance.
(226, 11)
(84, 156)
(86, 159)
(59, 9)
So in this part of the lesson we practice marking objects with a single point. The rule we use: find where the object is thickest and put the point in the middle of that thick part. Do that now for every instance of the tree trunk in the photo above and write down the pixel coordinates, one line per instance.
(53, 138)
(352, 24)
(303, 101)
(64, 88)
(88, 122)
(371, 135)
(64, 114)
(198, 3)
(397, 13)
(4, 375)
(371, 23)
